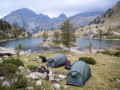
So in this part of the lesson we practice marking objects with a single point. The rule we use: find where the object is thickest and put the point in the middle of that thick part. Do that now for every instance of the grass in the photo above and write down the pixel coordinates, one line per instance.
(104, 72)
(80, 34)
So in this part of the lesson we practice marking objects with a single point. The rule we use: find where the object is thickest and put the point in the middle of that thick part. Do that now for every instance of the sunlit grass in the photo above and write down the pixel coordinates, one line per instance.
(104, 72)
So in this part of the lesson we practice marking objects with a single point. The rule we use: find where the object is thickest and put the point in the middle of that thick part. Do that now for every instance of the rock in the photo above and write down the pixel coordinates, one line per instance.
(22, 53)
(13, 80)
(62, 76)
(28, 70)
(18, 72)
(1, 59)
(33, 76)
(38, 83)
(30, 88)
(34, 60)
(6, 83)
(29, 50)
(57, 80)
(5, 56)
(66, 86)
(21, 68)
(28, 54)
(69, 56)
(41, 75)
(37, 57)
(57, 86)
(26, 59)
(118, 80)
(2, 78)
(51, 75)
(7, 50)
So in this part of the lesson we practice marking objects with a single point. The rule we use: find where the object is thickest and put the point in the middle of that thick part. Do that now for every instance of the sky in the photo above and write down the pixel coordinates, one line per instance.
(54, 8)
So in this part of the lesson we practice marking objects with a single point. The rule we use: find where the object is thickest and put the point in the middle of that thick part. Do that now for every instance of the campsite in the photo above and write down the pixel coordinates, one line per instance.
(104, 74)
(60, 45)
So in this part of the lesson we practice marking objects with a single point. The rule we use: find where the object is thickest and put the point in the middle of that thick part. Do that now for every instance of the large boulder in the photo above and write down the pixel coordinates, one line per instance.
(7, 51)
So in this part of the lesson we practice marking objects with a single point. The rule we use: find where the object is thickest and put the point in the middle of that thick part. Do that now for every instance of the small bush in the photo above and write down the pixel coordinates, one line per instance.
(40, 56)
(117, 54)
(14, 61)
(7, 69)
(117, 48)
(1, 69)
(32, 67)
(88, 60)
(21, 82)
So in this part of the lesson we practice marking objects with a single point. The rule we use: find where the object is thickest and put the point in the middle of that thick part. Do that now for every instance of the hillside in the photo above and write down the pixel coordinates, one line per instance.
(33, 22)
(106, 26)
(8, 31)
(110, 17)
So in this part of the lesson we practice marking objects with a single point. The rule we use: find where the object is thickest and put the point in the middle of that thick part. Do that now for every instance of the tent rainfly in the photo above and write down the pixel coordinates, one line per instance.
(80, 72)
(57, 61)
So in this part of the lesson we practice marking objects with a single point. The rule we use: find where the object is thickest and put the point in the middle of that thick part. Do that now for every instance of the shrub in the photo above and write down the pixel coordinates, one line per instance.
(21, 82)
(7, 69)
(32, 67)
(14, 61)
(117, 54)
(88, 60)
(1, 69)
(40, 56)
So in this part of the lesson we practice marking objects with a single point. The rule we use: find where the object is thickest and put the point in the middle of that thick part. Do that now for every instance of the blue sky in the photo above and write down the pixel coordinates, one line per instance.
(53, 8)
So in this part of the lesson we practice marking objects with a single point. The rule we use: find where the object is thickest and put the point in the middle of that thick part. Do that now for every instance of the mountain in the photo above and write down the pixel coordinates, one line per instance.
(110, 17)
(106, 26)
(83, 19)
(33, 22)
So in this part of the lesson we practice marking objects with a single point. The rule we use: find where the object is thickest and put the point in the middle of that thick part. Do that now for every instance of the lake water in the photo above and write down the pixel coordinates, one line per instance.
(31, 43)
(82, 43)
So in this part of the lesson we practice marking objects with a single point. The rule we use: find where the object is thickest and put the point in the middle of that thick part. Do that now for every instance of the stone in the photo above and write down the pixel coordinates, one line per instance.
(1, 59)
(30, 88)
(28, 70)
(33, 76)
(51, 75)
(21, 68)
(38, 83)
(57, 80)
(6, 83)
(28, 54)
(41, 75)
(18, 72)
(29, 50)
(22, 53)
(37, 57)
(7, 50)
(57, 86)
(66, 86)
(5, 56)
(26, 59)
(118, 80)
(2, 78)
(62, 76)
(69, 56)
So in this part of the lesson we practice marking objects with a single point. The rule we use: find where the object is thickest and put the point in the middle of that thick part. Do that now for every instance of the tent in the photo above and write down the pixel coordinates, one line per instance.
(57, 61)
(80, 72)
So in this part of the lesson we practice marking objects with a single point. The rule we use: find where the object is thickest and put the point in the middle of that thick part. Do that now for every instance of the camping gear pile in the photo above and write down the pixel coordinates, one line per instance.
(79, 73)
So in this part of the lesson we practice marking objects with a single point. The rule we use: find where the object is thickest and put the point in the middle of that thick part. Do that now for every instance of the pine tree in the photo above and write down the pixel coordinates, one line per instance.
(67, 35)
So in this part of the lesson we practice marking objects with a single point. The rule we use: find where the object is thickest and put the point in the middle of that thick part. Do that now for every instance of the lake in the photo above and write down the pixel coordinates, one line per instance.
(31, 43)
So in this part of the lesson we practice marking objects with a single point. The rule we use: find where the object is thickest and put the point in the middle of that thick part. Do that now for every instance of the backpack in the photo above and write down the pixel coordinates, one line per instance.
(68, 65)
(44, 59)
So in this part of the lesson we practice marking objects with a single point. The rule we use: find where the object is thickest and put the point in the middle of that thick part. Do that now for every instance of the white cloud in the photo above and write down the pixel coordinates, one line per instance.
(54, 7)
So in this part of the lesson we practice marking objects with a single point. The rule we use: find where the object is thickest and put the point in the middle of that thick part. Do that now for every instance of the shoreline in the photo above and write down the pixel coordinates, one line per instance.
(99, 39)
